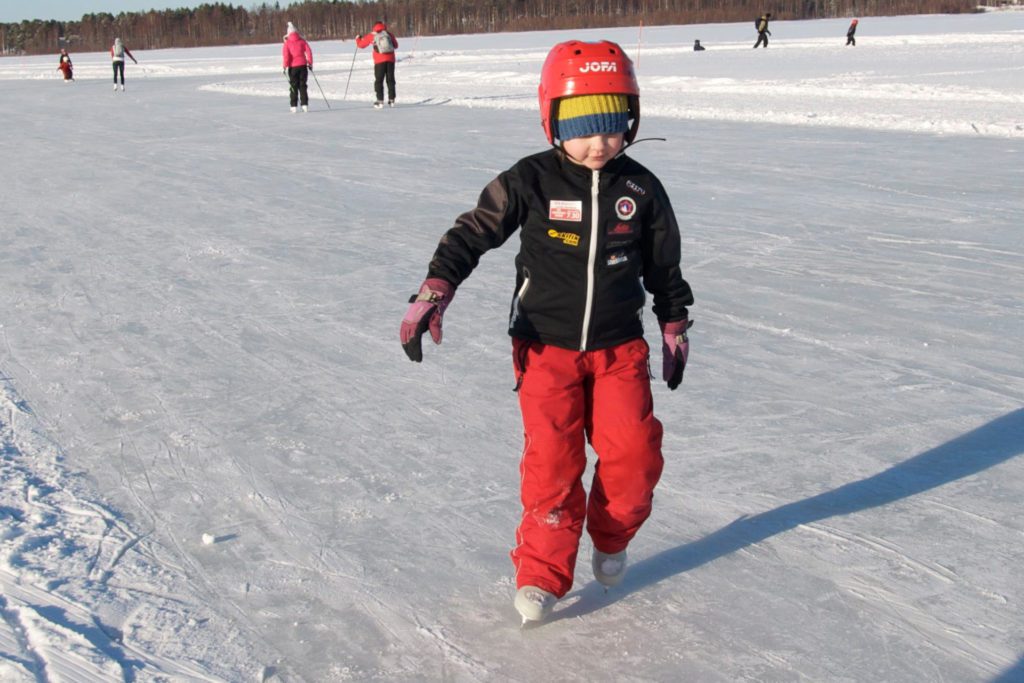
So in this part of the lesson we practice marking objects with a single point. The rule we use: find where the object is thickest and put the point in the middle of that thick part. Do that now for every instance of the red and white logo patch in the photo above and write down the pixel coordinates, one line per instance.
(625, 208)
(564, 210)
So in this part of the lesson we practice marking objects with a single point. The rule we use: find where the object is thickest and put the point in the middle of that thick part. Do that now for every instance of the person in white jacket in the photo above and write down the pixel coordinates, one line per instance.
(117, 55)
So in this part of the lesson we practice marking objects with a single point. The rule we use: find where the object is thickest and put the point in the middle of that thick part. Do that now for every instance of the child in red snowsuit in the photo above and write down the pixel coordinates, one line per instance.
(64, 66)
(596, 230)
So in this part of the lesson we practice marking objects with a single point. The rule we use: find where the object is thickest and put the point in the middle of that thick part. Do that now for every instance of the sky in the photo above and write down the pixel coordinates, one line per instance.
(12, 11)
(217, 464)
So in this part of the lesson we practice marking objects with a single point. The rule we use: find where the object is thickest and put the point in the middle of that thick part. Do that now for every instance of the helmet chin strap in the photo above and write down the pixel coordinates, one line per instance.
(636, 142)
(561, 145)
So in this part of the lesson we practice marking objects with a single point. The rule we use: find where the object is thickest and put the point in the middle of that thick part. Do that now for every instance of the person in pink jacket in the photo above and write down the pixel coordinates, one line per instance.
(298, 62)
(384, 46)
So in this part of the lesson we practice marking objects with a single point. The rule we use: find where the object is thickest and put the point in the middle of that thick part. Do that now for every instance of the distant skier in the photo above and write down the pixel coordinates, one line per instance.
(697, 47)
(596, 233)
(117, 53)
(850, 40)
(297, 59)
(64, 66)
(762, 30)
(384, 46)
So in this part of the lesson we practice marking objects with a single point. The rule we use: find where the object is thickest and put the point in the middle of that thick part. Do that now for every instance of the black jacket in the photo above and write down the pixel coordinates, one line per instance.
(591, 243)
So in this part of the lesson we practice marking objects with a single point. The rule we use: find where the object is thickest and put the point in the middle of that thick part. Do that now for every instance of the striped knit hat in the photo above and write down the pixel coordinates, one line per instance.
(586, 115)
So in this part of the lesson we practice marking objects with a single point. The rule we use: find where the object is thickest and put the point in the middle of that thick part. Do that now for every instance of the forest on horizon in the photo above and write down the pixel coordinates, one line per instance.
(227, 24)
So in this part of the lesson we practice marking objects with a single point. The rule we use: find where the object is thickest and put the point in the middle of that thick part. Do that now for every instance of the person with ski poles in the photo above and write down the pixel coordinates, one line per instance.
(596, 231)
(384, 46)
(762, 30)
(297, 62)
(64, 65)
(850, 40)
(117, 53)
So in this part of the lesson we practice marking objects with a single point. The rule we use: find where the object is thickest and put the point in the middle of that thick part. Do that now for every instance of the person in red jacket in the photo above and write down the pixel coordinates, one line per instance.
(850, 40)
(297, 63)
(384, 46)
(596, 235)
(64, 65)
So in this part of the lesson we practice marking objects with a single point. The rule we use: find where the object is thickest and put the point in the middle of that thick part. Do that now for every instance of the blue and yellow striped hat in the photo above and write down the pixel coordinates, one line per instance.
(586, 115)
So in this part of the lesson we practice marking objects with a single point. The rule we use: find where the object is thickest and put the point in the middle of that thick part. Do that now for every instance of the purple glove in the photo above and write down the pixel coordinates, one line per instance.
(675, 348)
(425, 311)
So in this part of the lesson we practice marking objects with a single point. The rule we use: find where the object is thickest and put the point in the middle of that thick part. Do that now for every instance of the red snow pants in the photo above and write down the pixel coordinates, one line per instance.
(567, 399)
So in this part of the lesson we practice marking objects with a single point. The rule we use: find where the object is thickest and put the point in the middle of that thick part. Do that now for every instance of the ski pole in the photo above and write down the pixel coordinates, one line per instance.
(350, 71)
(321, 89)
(291, 87)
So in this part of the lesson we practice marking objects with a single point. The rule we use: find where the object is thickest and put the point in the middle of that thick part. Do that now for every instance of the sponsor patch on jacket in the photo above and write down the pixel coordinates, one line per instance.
(565, 210)
(617, 258)
(636, 188)
(621, 229)
(568, 238)
(625, 207)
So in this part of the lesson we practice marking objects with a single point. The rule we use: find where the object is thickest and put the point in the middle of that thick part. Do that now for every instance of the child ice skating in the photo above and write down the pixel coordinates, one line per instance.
(596, 231)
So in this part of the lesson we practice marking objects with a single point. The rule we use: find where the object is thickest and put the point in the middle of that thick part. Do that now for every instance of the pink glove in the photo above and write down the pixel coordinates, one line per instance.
(425, 311)
(675, 348)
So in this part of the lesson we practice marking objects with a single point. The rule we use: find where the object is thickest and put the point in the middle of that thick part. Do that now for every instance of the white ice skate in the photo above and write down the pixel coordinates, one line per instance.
(609, 569)
(378, 105)
(122, 87)
(534, 604)
(391, 103)
(305, 108)
(115, 87)
(294, 109)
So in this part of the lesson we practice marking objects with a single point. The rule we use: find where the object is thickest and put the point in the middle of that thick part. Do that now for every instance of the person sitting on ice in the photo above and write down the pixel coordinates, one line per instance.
(64, 65)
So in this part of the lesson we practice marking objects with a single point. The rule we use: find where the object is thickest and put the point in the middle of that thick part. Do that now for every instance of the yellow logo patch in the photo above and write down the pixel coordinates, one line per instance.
(568, 238)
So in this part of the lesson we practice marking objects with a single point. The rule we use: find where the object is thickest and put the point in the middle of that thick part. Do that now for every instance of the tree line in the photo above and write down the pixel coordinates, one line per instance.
(226, 24)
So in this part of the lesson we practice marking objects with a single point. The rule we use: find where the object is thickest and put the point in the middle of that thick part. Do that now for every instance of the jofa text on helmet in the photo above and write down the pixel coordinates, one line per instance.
(599, 66)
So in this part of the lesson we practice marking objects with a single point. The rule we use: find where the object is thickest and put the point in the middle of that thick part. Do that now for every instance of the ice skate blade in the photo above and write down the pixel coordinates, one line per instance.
(534, 604)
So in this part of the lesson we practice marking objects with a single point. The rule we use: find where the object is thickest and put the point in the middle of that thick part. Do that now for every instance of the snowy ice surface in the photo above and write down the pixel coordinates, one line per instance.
(217, 463)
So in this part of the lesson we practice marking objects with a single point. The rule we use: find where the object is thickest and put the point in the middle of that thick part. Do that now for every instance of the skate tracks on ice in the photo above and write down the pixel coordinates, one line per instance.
(83, 597)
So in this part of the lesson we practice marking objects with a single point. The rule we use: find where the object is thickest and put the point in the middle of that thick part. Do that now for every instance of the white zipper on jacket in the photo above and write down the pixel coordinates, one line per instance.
(591, 258)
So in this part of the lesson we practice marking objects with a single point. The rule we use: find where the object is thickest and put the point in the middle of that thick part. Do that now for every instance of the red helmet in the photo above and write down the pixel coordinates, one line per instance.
(379, 26)
(578, 68)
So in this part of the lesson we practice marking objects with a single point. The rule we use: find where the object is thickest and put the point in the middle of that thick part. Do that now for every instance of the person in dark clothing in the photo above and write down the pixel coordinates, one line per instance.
(117, 53)
(297, 62)
(697, 47)
(384, 46)
(850, 40)
(762, 30)
(596, 235)
(64, 66)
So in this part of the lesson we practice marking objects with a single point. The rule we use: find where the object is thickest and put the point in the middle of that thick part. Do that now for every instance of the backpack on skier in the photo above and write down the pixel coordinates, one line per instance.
(382, 41)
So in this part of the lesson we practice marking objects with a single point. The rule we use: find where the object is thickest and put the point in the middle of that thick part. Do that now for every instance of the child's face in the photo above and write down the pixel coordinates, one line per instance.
(594, 151)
